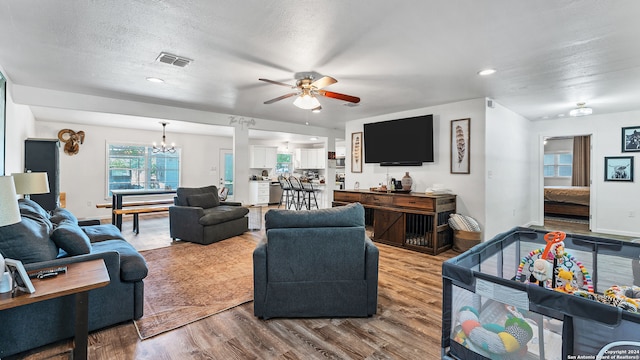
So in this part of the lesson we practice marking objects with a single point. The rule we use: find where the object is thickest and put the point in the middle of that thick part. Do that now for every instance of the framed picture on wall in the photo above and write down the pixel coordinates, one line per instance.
(618, 168)
(356, 152)
(460, 146)
(631, 139)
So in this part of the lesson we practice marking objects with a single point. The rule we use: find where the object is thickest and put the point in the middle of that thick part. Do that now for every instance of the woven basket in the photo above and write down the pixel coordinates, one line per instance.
(465, 240)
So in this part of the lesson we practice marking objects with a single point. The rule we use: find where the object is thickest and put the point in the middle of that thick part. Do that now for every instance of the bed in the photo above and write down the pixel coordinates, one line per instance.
(566, 200)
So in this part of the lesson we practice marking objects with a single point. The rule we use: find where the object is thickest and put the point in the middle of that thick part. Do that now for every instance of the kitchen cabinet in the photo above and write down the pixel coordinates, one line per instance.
(310, 159)
(262, 157)
(259, 192)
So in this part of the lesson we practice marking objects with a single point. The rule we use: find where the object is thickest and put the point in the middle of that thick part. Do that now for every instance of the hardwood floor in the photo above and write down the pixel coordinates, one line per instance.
(406, 326)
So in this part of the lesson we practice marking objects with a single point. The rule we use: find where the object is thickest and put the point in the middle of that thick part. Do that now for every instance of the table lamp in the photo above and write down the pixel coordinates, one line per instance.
(31, 183)
(9, 214)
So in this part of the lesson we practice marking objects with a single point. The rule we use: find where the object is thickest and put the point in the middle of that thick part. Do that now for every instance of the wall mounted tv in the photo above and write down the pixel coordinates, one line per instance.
(401, 142)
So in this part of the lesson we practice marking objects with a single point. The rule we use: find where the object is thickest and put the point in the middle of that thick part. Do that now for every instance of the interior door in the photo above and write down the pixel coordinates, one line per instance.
(226, 171)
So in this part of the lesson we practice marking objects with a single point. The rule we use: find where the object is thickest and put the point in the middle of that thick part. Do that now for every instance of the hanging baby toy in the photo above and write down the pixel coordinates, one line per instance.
(544, 266)
(554, 268)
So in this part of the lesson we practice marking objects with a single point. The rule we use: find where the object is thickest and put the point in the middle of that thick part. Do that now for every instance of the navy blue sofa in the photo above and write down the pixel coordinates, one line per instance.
(48, 240)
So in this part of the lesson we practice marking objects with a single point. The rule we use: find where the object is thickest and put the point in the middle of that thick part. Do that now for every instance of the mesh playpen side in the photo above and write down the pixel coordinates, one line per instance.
(489, 313)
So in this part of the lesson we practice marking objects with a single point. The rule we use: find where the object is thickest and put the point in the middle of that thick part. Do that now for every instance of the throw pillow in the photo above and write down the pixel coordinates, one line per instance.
(60, 214)
(27, 241)
(98, 233)
(33, 210)
(462, 222)
(70, 238)
(204, 201)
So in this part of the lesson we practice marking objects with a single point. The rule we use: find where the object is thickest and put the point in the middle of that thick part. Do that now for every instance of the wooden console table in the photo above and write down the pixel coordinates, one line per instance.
(414, 221)
(79, 279)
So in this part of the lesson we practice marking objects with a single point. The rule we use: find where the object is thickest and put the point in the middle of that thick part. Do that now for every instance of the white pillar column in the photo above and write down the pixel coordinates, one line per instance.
(241, 164)
(330, 171)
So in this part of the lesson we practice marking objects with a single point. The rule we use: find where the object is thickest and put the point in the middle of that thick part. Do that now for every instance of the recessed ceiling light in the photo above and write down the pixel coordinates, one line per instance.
(486, 72)
(155, 80)
(313, 138)
(560, 115)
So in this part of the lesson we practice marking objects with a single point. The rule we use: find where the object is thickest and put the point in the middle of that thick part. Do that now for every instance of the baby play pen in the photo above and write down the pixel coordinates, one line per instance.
(531, 294)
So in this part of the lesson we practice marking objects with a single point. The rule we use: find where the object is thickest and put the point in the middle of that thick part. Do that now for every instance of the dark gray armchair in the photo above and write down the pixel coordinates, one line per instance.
(199, 216)
(317, 263)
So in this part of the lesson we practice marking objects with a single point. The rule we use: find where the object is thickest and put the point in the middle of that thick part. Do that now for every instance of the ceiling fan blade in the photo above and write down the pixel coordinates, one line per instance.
(323, 82)
(335, 95)
(280, 98)
(278, 83)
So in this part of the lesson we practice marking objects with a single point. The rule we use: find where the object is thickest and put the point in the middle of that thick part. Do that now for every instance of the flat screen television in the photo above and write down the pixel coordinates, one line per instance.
(401, 142)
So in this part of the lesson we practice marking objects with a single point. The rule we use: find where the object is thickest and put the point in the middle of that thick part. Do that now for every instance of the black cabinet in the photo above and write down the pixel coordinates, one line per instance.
(43, 155)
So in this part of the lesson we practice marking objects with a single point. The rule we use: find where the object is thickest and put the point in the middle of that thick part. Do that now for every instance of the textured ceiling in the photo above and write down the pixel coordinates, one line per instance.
(395, 56)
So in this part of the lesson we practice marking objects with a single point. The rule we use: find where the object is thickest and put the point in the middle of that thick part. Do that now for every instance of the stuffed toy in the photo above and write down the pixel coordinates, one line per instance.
(500, 342)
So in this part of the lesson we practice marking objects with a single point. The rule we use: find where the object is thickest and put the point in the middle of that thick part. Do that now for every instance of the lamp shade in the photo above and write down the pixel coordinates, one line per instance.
(9, 212)
(306, 102)
(31, 183)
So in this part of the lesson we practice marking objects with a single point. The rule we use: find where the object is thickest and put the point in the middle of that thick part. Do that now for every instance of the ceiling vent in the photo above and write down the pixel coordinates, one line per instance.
(173, 59)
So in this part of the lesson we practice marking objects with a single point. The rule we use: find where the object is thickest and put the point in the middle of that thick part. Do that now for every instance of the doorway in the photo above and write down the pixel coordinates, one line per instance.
(226, 171)
(567, 174)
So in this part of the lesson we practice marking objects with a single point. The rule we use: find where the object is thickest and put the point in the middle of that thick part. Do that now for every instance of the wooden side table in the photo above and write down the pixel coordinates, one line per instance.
(79, 279)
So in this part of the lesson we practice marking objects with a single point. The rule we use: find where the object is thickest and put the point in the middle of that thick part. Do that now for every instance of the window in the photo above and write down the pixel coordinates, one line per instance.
(283, 164)
(558, 165)
(137, 167)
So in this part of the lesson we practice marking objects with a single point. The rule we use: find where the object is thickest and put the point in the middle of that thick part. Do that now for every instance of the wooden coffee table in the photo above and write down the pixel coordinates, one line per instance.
(79, 279)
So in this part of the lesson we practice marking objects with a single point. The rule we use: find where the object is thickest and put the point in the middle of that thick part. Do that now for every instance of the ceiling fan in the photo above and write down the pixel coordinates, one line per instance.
(307, 91)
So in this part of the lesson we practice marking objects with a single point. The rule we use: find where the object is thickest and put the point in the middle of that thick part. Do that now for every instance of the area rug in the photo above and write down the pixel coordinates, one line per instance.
(188, 282)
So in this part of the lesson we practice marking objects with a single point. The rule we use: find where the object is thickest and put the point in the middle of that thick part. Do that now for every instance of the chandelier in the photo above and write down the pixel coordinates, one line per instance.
(163, 148)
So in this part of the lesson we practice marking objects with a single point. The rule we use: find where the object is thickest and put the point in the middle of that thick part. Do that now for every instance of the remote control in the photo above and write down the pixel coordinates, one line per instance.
(47, 275)
(58, 270)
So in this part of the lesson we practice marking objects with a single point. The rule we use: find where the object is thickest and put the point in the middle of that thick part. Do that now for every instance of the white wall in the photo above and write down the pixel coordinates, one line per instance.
(83, 176)
(19, 126)
(612, 203)
(469, 188)
(497, 192)
(508, 161)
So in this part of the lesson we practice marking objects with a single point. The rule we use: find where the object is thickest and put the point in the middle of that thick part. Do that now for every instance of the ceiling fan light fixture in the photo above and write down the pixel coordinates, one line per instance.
(581, 110)
(306, 102)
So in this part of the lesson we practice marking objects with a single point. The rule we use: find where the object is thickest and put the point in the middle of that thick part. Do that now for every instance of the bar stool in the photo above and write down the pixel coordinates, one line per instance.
(299, 199)
(286, 192)
(310, 191)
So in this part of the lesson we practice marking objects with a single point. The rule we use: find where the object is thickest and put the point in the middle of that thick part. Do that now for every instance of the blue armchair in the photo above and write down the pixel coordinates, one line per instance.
(317, 263)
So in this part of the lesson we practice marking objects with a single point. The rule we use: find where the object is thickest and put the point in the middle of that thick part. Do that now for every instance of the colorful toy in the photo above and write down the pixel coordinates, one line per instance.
(553, 264)
(615, 296)
(564, 279)
(542, 268)
(499, 341)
